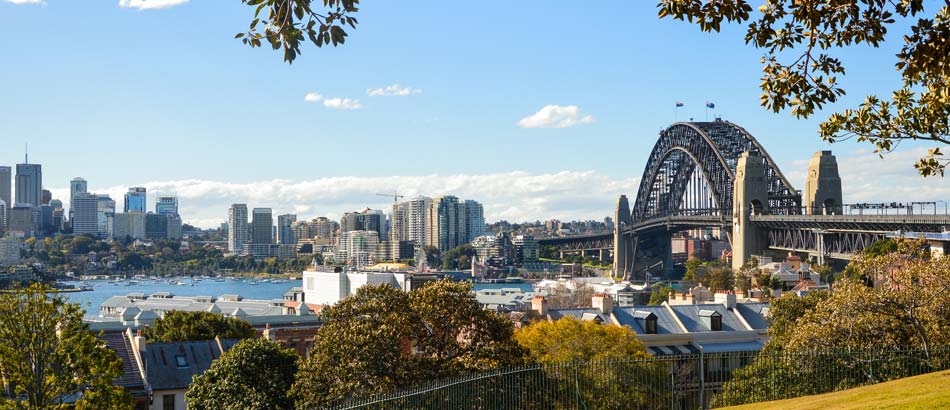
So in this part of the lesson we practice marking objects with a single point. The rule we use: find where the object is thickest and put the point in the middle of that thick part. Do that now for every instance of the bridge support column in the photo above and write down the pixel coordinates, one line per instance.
(623, 258)
(750, 196)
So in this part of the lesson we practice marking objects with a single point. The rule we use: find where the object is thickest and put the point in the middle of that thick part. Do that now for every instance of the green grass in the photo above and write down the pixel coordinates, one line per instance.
(929, 391)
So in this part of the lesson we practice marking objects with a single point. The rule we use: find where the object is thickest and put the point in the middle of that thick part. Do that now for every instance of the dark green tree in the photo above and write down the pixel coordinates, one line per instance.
(383, 339)
(48, 354)
(254, 374)
(459, 257)
(288, 23)
(181, 326)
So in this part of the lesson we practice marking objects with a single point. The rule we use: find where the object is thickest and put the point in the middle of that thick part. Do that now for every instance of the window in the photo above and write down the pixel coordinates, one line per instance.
(715, 323)
(168, 402)
(651, 326)
(180, 361)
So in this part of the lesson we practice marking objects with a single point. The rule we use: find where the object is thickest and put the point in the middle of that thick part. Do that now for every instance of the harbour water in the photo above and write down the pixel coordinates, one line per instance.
(102, 290)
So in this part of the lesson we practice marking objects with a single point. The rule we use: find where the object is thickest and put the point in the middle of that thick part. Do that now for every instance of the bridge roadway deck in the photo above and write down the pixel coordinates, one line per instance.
(856, 223)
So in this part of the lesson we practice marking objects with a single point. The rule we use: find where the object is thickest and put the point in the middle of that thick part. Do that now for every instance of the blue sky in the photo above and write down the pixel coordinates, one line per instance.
(168, 99)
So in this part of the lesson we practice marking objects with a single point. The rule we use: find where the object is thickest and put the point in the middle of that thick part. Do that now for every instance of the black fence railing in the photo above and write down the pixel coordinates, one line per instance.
(665, 382)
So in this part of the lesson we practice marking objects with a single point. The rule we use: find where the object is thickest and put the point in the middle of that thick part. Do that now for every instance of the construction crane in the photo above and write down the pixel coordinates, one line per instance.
(395, 196)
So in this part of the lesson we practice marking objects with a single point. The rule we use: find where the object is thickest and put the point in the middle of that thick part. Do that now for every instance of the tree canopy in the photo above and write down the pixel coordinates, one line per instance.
(801, 73)
(48, 354)
(288, 23)
(571, 340)
(382, 339)
(181, 326)
(254, 374)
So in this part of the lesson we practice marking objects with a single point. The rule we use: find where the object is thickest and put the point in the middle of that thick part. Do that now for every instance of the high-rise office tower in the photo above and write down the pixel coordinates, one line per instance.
(262, 226)
(474, 220)
(135, 200)
(285, 229)
(85, 209)
(237, 228)
(76, 186)
(445, 223)
(365, 220)
(105, 212)
(29, 184)
(3, 217)
(45, 197)
(6, 191)
(167, 205)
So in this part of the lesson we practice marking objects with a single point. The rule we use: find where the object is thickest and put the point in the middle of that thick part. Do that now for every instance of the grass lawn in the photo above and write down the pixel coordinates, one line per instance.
(929, 391)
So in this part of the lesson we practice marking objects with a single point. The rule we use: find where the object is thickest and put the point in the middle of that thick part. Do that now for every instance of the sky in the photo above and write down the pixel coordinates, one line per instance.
(538, 109)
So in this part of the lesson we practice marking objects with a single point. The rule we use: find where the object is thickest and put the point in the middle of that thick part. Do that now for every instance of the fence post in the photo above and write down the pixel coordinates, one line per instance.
(702, 376)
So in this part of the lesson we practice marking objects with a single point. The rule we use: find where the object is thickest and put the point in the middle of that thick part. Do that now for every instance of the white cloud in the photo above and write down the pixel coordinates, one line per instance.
(556, 116)
(312, 97)
(25, 1)
(393, 90)
(149, 4)
(342, 103)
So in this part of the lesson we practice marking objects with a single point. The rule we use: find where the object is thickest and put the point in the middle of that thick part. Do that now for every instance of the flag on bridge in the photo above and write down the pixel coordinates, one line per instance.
(709, 104)
(679, 104)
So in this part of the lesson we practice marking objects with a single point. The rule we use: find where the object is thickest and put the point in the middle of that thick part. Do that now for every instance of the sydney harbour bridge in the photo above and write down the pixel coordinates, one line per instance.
(715, 175)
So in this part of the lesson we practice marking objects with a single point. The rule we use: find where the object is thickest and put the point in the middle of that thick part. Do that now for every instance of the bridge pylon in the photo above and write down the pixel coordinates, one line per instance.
(823, 186)
(622, 246)
(750, 197)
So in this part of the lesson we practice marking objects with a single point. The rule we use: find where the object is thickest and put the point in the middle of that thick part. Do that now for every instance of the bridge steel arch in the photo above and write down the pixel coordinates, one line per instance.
(714, 148)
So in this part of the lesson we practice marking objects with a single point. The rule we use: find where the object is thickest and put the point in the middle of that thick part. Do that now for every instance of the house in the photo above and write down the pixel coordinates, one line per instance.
(719, 326)
(157, 375)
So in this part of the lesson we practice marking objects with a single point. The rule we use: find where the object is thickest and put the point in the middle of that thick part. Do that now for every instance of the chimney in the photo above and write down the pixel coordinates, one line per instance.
(138, 342)
(603, 303)
(727, 298)
(539, 305)
(268, 333)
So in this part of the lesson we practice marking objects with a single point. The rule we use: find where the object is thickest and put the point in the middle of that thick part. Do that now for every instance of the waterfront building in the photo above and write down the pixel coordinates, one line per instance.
(445, 223)
(85, 207)
(237, 228)
(474, 220)
(328, 288)
(135, 200)
(285, 231)
(262, 226)
(29, 184)
(167, 205)
(526, 248)
(6, 189)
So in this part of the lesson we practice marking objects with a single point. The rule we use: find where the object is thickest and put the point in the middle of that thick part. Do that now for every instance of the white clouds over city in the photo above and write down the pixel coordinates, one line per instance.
(393, 90)
(556, 116)
(335, 103)
(150, 4)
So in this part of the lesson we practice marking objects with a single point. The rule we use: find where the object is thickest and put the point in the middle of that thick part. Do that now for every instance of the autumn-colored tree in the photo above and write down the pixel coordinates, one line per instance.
(801, 74)
(182, 326)
(382, 339)
(607, 359)
(255, 374)
(48, 355)
(909, 308)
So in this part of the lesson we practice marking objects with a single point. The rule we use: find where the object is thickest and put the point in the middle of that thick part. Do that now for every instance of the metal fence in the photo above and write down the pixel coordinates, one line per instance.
(665, 382)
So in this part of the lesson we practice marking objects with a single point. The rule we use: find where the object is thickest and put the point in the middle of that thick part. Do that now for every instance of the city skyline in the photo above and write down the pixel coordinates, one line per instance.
(533, 135)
